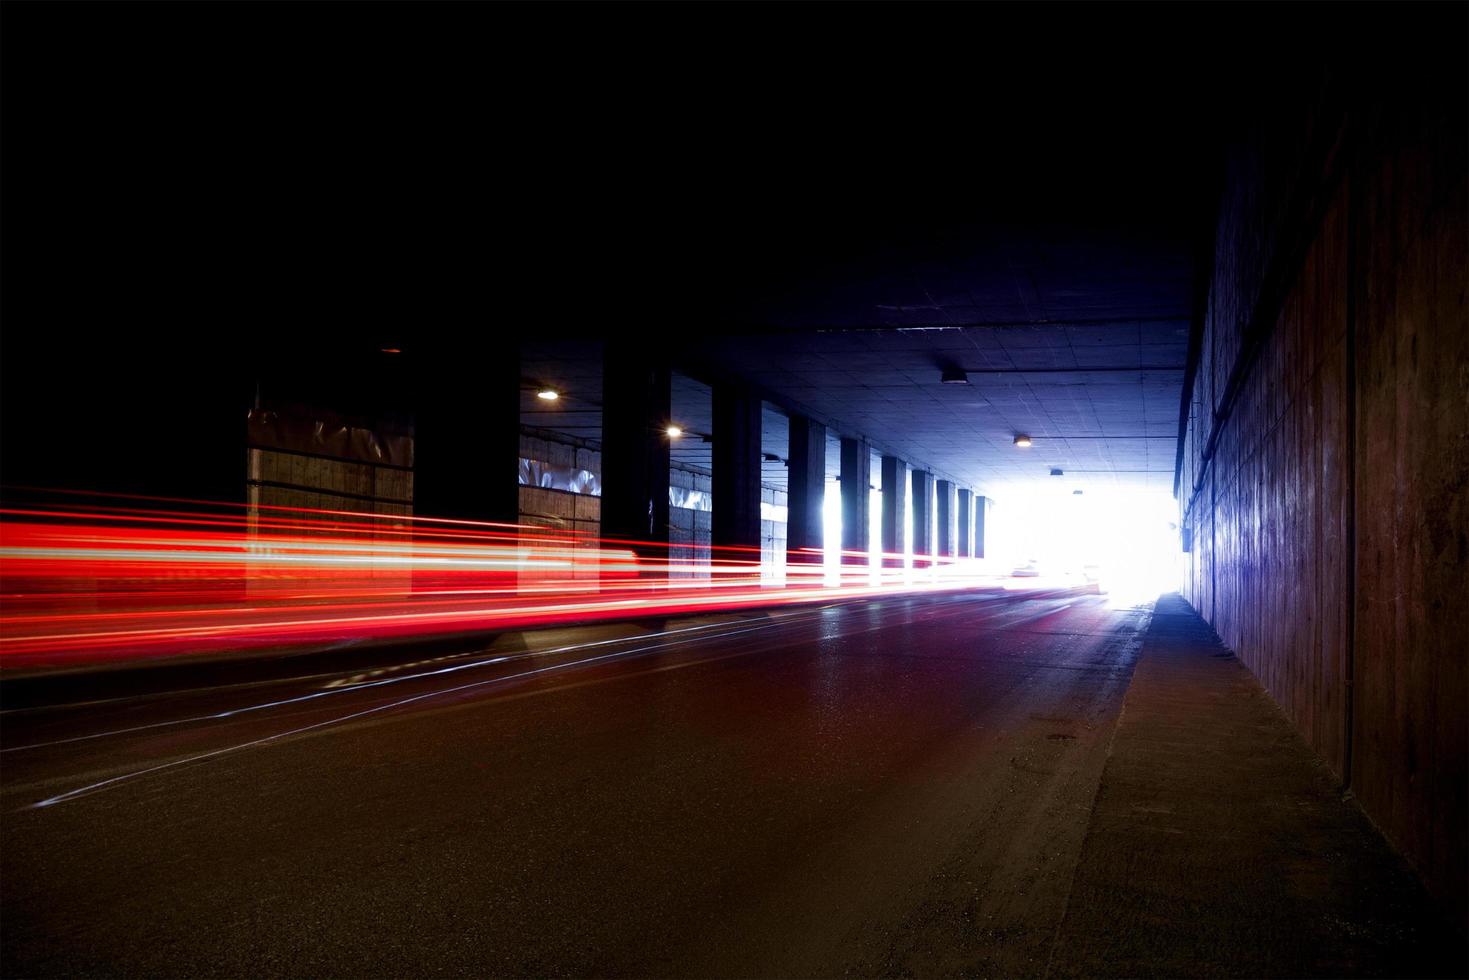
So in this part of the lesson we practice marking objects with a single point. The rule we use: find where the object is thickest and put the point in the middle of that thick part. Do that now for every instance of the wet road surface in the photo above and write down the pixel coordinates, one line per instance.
(896, 786)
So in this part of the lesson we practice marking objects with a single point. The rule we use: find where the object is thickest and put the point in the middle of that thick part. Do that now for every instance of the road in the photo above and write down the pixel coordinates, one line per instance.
(895, 786)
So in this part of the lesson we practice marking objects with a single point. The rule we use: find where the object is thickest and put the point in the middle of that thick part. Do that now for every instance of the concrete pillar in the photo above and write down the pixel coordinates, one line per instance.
(894, 520)
(466, 443)
(736, 481)
(945, 509)
(856, 477)
(466, 438)
(981, 521)
(806, 495)
(922, 518)
(636, 396)
(966, 523)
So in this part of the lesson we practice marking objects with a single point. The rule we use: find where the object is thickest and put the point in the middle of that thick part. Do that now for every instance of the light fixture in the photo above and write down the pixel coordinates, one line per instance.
(548, 394)
(954, 376)
(392, 350)
(1056, 472)
(1076, 493)
(673, 432)
(1022, 441)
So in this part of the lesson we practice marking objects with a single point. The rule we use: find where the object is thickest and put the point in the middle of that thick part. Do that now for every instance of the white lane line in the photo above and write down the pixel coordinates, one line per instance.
(115, 780)
(105, 783)
(364, 686)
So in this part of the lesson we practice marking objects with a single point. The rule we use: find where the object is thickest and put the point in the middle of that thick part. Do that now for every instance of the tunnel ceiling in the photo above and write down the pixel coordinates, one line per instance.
(1099, 400)
(840, 248)
(1075, 335)
(833, 222)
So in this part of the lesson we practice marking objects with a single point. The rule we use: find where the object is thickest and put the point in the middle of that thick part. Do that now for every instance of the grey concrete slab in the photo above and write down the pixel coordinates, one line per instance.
(1220, 845)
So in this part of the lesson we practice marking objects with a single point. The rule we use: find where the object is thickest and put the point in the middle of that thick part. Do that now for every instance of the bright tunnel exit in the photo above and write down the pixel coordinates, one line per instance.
(1124, 540)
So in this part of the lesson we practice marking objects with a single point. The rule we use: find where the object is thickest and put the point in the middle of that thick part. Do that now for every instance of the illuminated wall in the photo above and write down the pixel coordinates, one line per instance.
(1324, 486)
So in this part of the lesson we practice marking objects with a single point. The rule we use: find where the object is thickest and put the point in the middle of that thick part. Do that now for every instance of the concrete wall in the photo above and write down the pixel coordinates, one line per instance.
(560, 510)
(773, 538)
(1412, 487)
(546, 507)
(294, 480)
(690, 530)
(1326, 454)
(302, 456)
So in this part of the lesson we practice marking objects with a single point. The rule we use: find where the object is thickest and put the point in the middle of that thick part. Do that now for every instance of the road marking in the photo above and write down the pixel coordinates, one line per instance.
(331, 689)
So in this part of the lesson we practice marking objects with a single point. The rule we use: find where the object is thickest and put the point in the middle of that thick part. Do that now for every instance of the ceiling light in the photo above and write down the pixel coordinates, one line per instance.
(1076, 493)
(548, 394)
(392, 350)
(1056, 472)
(954, 376)
(673, 432)
(1022, 441)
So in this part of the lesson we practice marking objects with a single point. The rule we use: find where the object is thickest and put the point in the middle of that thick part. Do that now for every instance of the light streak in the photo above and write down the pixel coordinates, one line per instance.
(136, 578)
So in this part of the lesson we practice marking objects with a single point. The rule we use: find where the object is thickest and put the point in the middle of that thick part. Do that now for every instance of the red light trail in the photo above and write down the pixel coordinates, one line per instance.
(156, 578)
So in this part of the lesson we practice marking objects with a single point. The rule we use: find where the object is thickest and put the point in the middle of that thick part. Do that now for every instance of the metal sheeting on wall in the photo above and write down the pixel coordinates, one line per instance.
(313, 432)
(304, 457)
(538, 473)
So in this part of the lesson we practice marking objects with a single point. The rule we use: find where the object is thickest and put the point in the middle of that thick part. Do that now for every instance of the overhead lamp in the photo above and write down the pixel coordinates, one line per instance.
(1056, 472)
(954, 376)
(1076, 493)
(1022, 441)
(673, 432)
(548, 394)
(392, 350)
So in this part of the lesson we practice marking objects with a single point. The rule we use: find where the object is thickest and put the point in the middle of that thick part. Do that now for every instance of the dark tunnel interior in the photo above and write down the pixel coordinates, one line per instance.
(873, 292)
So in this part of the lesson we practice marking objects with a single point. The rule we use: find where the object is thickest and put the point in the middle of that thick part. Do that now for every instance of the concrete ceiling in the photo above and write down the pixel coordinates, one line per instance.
(575, 371)
(839, 248)
(775, 208)
(1099, 401)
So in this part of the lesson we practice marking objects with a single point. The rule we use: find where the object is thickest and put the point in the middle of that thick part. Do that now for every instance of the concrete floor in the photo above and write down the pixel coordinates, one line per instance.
(1220, 845)
(911, 786)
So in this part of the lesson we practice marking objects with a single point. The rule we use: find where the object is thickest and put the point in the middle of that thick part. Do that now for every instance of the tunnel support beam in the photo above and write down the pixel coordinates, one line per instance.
(735, 485)
(945, 510)
(636, 394)
(981, 521)
(894, 516)
(922, 518)
(466, 439)
(806, 525)
(856, 479)
(966, 523)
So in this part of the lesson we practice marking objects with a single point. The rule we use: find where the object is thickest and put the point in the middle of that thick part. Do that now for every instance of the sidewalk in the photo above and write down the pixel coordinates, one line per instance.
(1219, 845)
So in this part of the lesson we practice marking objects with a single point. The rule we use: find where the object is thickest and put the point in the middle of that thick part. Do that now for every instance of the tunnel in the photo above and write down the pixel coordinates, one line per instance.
(677, 490)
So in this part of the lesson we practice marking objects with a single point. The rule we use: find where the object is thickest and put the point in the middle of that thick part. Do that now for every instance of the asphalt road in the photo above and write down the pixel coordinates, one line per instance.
(897, 786)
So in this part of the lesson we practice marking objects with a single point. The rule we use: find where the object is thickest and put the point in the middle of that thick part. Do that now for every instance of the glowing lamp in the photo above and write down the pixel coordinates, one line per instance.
(1023, 442)
(548, 394)
(673, 431)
